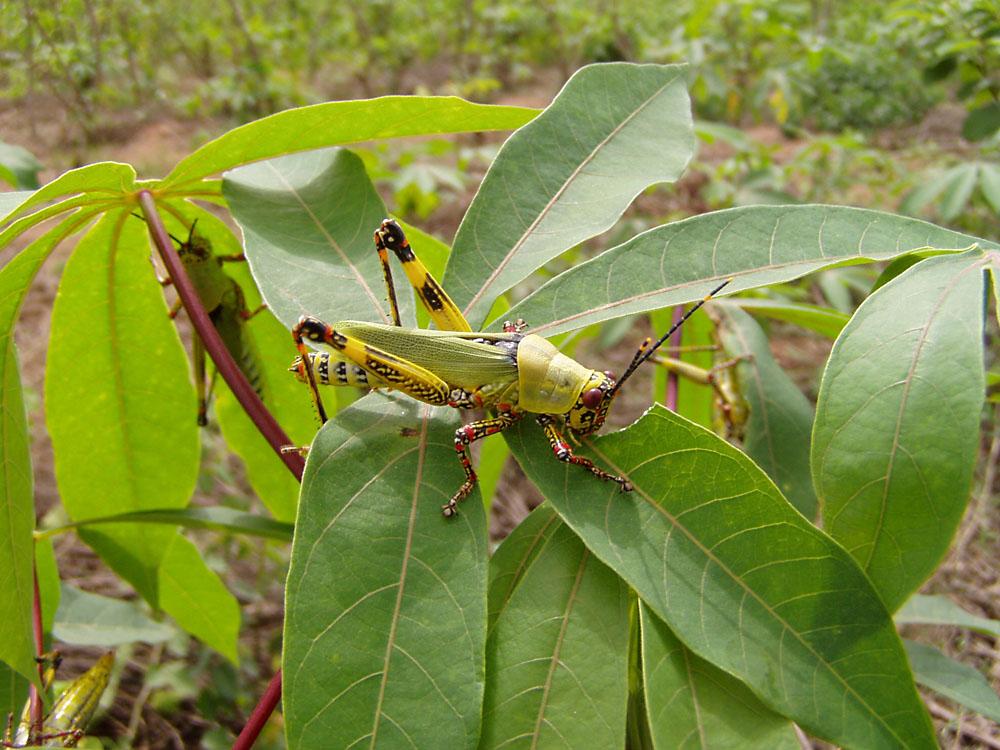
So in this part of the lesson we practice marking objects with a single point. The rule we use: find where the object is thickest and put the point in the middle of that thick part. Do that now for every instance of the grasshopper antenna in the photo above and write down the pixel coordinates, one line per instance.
(143, 220)
(646, 351)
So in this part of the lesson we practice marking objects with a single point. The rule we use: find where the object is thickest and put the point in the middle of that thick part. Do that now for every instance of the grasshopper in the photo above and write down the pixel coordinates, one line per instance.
(731, 407)
(66, 722)
(510, 373)
(226, 306)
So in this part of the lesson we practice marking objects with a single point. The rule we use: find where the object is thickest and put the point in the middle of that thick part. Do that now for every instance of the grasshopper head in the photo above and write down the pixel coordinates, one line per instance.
(591, 407)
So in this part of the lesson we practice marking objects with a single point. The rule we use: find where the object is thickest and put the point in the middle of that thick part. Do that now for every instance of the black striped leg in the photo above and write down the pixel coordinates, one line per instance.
(563, 452)
(442, 310)
(464, 437)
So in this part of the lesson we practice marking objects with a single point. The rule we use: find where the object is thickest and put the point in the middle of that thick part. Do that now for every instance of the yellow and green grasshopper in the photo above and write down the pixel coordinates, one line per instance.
(227, 309)
(66, 722)
(511, 373)
(732, 410)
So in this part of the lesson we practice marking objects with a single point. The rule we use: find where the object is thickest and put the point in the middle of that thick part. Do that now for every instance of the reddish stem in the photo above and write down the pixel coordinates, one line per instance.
(224, 361)
(675, 341)
(36, 626)
(261, 712)
(248, 399)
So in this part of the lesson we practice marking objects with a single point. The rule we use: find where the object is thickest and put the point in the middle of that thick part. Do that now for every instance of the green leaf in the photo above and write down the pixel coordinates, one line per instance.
(10, 201)
(613, 130)
(895, 267)
(514, 556)
(119, 402)
(48, 581)
(989, 183)
(341, 123)
(385, 613)
(740, 577)
(217, 518)
(822, 320)
(952, 679)
(17, 519)
(13, 691)
(193, 595)
(687, 698)
(273, 351)
(307, 223)
(981, 123)
(102, 181)
(778, 431)
(556, 658)
(86, 619)
(939, 610)
(759, 245)
(892, 482)
(22, 166)
(957, 190)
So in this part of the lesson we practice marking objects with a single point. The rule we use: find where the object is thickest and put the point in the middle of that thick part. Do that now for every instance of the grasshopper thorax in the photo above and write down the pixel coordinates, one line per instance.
(591, 407)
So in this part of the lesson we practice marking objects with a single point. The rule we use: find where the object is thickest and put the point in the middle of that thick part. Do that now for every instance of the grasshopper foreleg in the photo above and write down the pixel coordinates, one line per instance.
(464, 437)
(564, 453)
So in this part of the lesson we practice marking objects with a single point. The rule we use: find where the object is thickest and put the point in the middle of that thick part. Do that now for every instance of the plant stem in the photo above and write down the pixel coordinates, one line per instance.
(249, 400)
(224, 362)
(36, 625)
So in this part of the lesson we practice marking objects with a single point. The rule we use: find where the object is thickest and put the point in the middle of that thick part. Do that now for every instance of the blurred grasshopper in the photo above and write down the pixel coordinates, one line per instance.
(223, 300)
(67, 721)
(732, 411)
(511, 373)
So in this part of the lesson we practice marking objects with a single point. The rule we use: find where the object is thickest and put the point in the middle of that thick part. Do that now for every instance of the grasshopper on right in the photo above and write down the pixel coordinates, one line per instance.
(511, 373)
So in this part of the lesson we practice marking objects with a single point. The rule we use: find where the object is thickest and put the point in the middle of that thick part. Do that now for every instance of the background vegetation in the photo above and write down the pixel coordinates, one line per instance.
(893, 106)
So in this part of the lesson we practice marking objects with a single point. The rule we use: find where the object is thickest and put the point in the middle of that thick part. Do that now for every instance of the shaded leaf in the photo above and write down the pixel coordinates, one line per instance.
(982, 122)
(341, 123)
(48, 581)
(957, 190)
(778, 431)
(760, 245)
(217, 518)
(86, 619)
(21, 166)
(385, 617)
(893, 484)
(740, 577)
(196, 598)
(989, 183)
(307, 224)
(959, 682)
(134, 402)
(940, 610)
(556, 658)
(822, 320)
(691, 703)
(611, 132)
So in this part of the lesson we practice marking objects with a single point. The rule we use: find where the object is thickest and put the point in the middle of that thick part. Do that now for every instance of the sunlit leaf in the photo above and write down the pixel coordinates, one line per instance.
(760, 245)
(385, 613)
(119, 401)
(740, 577)
(892, 482)
(611, 132)
(689, 701)
(556, 658)
(341, 123)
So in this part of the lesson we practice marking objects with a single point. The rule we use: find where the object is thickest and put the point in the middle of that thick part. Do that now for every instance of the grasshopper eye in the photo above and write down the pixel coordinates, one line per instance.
(592, 398)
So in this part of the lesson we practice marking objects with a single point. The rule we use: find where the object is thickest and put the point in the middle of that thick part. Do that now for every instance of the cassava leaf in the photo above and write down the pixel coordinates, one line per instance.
(307, 222)
(744, 581)
(385, 613)
(688, 700)
(940, 610)
(893, 482)
(778, 431)
(556, 658)
(119, 401)
(757, 246)
(341, 123)
(613, 130)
